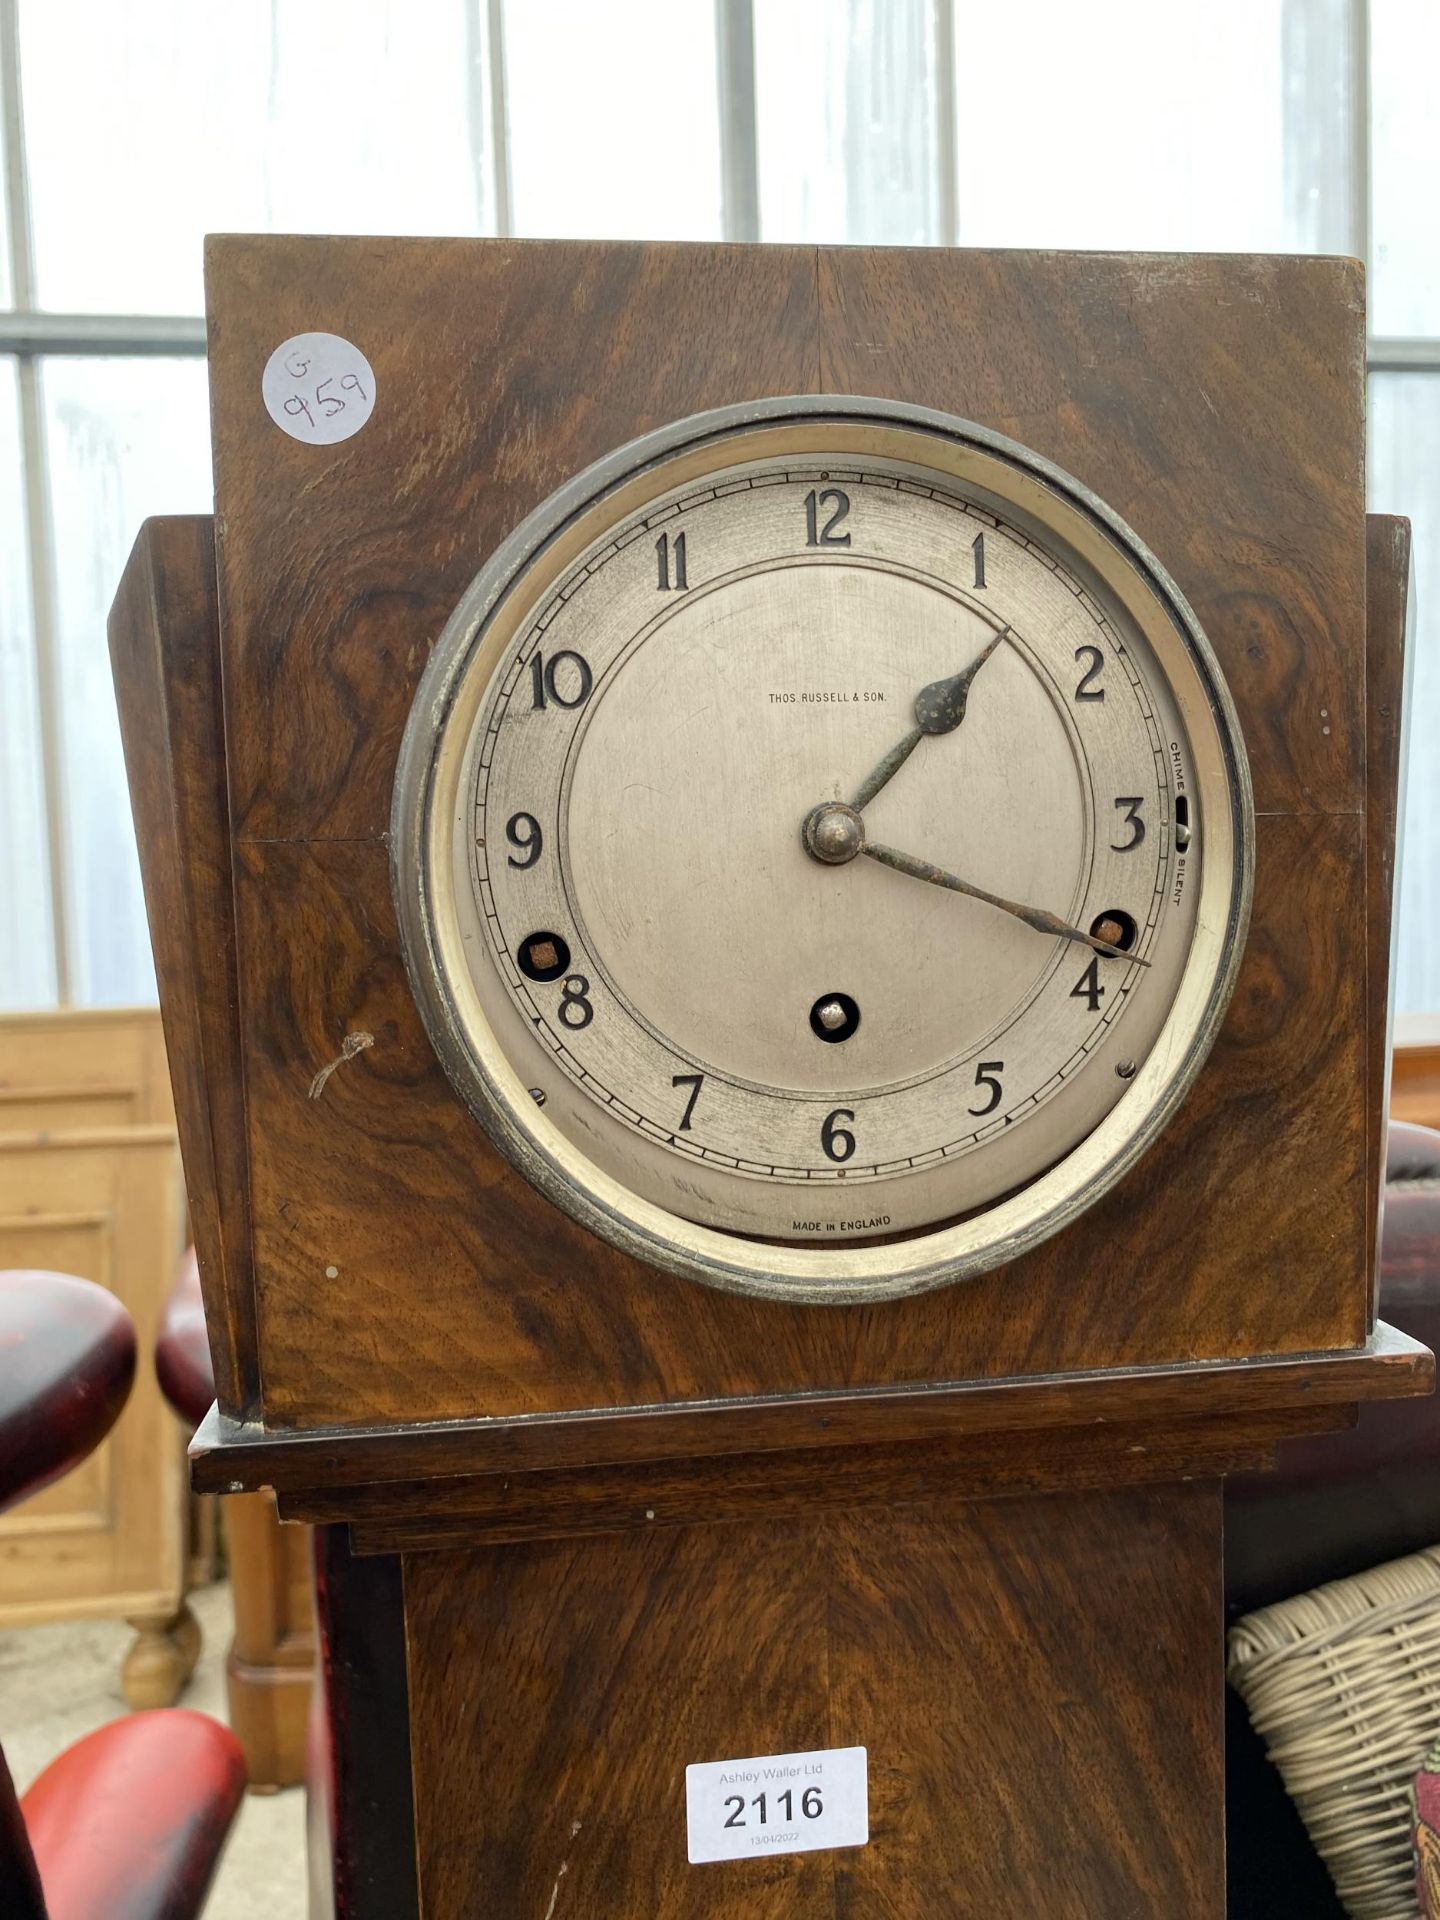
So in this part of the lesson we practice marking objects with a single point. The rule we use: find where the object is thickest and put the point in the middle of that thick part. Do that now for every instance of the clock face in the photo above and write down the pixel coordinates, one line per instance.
(822, 846)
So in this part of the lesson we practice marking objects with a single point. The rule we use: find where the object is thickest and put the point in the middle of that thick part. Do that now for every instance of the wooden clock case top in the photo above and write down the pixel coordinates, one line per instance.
(381, 1263)
(410, 1340)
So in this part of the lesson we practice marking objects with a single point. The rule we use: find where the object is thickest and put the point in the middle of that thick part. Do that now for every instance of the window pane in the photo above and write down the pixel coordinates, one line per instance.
(7, 291)
(1224, 127)
(846, 122)
(1404, 160)
(614, 120)
(124, 439)
(150, 124)
(27, 955)
(1405, 478)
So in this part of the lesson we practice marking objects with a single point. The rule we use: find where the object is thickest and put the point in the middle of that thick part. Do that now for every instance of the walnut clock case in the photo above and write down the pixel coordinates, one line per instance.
(772, 898)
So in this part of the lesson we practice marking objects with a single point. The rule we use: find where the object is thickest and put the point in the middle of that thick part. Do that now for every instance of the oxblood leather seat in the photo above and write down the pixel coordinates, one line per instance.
(67, 1363)
(182, 1351)
(127, 1824)
(131, 1820)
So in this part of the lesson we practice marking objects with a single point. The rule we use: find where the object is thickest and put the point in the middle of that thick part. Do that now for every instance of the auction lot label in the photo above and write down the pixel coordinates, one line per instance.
(777, 1803)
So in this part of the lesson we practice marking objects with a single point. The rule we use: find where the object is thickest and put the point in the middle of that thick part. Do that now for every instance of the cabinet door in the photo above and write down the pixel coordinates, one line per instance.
(110, 1537)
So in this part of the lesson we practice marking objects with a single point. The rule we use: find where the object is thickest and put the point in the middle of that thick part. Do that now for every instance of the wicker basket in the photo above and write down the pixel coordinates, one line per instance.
(1344, 1686)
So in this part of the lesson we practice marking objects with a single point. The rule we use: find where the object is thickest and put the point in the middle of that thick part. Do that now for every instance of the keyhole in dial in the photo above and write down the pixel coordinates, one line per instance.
(1116, 928)
(834, 1017)
(542, 956)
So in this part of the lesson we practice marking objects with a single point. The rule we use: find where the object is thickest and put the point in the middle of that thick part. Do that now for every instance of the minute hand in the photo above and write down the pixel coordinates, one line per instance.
(1036, 917)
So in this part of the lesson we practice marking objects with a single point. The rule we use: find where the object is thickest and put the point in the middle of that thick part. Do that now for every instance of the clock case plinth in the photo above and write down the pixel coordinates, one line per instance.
(582, 1522)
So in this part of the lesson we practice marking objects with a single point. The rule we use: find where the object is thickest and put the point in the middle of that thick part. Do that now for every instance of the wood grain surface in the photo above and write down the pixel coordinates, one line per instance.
(165, 656)
(402, 1271)
(788, 1488)
(501, 368)
(83, 1067)
(1028, 1410)
(456, 1290)
(1037, 1683)
(1415, 1084)
(1389, 649)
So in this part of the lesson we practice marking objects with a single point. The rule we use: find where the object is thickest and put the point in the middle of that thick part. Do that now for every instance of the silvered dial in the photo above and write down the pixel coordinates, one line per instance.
(820, 822)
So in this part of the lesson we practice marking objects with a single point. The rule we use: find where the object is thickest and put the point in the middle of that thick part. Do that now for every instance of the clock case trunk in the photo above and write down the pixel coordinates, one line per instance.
(952, 1528)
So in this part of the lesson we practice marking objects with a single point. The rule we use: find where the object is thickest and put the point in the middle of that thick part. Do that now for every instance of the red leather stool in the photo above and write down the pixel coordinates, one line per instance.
(130, 1820)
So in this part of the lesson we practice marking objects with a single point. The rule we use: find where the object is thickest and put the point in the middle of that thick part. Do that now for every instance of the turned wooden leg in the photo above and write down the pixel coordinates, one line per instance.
(161, 1658)
(268, 1673)
(184, 1630)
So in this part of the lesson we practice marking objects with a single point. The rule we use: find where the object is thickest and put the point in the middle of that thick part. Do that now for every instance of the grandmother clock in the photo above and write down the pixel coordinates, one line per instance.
(770, 872)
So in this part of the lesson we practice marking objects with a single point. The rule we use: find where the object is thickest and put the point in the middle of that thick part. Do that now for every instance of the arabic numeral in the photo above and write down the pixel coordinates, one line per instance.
(826, 536)
(575, 1008)
(570, 689)
(838, 1142)
(694, 1081)
(1087, 689)
(987, 1074)
(665, 550)
(1130, 805)
(812, 1805)
(1088, 987)
(977, 549)
(522, 830)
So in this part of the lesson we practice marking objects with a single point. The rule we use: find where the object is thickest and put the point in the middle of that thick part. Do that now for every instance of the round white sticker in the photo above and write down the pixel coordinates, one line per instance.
(318, 388)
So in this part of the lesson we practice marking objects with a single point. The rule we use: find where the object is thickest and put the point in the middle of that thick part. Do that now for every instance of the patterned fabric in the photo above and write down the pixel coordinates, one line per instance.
(1426, 1802)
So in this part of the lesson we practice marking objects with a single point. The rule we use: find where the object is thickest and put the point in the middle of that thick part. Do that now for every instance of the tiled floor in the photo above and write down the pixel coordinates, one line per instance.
(57, 1683)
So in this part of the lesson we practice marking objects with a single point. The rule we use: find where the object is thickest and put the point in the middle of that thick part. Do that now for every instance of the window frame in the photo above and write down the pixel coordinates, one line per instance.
(29, 335)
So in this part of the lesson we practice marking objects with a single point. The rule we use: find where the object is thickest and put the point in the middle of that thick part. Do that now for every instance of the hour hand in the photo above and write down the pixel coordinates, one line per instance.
(939, 708)
(1036, 917)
